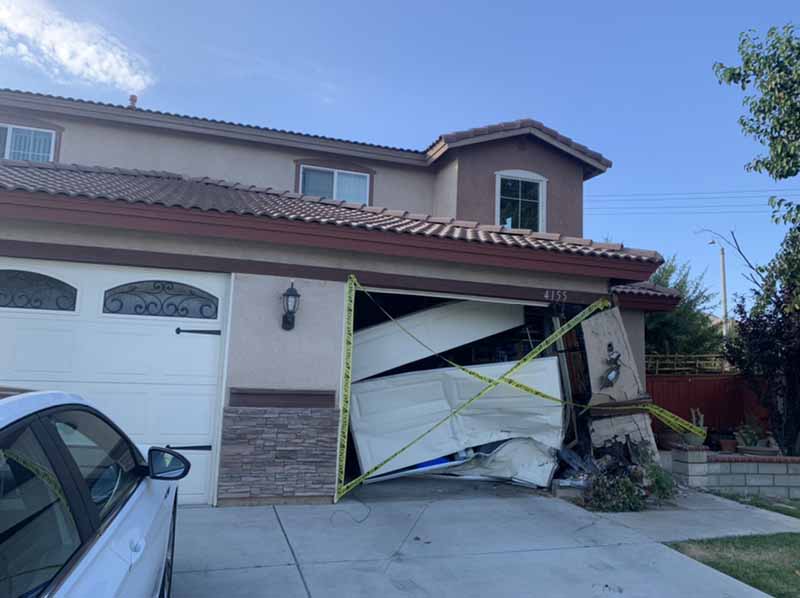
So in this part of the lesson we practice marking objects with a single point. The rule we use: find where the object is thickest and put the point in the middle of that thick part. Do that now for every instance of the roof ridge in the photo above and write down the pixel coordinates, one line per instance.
(206, 119)
(518, 124)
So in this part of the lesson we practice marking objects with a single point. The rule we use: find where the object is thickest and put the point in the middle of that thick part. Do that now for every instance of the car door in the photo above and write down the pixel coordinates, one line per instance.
(42, 520)
(132, 511)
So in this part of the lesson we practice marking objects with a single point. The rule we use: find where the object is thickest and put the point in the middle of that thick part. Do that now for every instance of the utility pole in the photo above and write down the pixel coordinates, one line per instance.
(724, 291)
(723, 279)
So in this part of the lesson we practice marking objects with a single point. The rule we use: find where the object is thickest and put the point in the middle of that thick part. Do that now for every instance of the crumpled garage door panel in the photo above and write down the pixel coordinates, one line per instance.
(385, 346)
(388, 412)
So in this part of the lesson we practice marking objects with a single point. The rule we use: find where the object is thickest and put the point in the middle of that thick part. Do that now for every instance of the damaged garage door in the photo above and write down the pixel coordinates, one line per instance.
(388, 412)
(400, 390)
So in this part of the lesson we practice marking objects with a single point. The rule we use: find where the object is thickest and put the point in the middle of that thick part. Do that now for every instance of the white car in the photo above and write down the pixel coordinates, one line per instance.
(82, 513)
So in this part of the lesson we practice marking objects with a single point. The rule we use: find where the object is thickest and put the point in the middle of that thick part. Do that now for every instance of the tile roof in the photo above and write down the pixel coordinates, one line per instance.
(646, 289)
(521, 125)
(175, 190)
(474, 133)
(199, 119)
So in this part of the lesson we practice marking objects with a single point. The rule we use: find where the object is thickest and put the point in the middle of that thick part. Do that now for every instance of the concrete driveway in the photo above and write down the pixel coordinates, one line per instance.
(416, 538)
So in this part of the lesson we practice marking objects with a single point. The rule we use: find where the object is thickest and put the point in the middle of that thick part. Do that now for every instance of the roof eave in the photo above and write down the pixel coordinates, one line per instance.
(38, 206)
(594, 166)
(185, 124)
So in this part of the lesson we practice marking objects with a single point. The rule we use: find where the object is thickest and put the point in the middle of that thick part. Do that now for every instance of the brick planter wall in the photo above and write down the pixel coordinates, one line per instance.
(737, 474)
(277, 455)
(745, 474)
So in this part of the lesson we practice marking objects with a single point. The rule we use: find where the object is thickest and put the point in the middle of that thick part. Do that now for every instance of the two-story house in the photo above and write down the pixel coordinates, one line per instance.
(146, 260)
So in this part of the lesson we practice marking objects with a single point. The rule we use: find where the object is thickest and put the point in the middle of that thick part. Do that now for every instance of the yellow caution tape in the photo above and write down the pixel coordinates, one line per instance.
(344, 488)
(347, 376)
(673, 421)
(37, 470)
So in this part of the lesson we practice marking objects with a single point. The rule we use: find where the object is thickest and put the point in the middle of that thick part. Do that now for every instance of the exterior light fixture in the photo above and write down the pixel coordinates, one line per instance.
(612, 373)
(291, 302)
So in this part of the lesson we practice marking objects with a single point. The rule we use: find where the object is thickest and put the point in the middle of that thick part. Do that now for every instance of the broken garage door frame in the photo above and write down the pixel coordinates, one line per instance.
(343, 488)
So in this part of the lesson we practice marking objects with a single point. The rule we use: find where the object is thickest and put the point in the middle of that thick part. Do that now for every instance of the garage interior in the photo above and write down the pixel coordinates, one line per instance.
(403, 381)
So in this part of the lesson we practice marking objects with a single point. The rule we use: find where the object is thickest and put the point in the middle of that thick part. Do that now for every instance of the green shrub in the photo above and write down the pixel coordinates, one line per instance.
(662, 486)
(614, 493)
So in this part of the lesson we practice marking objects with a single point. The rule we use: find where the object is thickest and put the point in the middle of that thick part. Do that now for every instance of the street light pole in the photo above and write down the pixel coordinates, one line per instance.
(724, 281)
(724, 291)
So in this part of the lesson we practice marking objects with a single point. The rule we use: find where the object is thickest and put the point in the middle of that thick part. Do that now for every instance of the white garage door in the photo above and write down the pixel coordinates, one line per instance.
(110, 334)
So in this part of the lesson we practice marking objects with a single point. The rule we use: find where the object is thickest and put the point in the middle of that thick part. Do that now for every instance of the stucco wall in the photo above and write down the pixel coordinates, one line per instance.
(88, 143)
(477, 165)
(445, 190)
(263, 355)
(633, 320)
(103, 237)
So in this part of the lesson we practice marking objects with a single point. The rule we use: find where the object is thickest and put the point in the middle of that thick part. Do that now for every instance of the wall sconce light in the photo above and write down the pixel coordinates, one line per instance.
(291, 302)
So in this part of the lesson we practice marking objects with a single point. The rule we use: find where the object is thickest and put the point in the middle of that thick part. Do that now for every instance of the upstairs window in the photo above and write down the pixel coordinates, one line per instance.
(26, 143)
(521, 199)
(336, 184)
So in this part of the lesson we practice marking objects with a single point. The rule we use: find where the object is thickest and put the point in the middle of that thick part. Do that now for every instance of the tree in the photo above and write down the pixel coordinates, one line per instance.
(771, 70)
(766, 348)
(688, 328)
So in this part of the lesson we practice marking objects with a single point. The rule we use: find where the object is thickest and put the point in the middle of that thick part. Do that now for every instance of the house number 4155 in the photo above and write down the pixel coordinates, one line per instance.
(555, 296)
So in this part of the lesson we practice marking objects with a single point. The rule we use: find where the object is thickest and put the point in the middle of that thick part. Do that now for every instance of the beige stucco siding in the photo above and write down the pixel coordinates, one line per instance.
(477, 180)
(96, 144)
(102, 237)
(445, 190)
(633, 320)
(263, 355)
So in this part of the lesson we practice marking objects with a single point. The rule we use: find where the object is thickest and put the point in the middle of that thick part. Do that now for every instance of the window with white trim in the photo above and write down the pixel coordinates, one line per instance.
(26, 143)
(336, 184)
(521, 198)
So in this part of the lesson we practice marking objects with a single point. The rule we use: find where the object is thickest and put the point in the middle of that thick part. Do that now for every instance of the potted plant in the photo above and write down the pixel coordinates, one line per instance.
(728, 443)
(698, 419)
(754, 440)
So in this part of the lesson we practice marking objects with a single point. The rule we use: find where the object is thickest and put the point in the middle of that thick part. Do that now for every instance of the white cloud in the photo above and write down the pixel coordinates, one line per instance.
(39, 35)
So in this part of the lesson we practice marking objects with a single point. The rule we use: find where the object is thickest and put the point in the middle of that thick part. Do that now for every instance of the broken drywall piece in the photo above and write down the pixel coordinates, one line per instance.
(612, 369)
(386, 346)
(388, 412)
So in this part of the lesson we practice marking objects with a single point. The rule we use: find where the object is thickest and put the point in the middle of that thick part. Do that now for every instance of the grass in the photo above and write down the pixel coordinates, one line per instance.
(784, 506)
(769, 563)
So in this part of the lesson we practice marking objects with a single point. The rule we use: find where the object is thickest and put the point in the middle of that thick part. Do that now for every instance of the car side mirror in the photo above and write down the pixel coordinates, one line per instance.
(166, 464)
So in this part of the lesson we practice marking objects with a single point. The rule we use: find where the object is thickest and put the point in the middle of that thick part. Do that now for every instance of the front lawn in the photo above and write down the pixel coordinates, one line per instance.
(769, 563)
(784, 506)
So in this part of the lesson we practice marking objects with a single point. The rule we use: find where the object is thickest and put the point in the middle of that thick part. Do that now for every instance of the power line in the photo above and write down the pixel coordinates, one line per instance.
(679, 213)
(737, 192)
(697, 200)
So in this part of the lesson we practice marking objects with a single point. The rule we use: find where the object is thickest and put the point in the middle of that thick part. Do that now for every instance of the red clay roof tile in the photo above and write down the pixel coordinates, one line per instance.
(174, 190)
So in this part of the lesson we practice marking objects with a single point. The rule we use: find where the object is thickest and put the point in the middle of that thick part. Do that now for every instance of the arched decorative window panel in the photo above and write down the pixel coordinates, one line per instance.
(163, 298)
(30, 290)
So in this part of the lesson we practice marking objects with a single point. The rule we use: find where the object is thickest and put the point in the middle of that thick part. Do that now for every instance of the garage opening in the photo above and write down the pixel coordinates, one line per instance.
(404, 381)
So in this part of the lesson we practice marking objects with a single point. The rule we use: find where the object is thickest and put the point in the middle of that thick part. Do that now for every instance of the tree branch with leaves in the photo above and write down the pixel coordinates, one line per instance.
(770, 69)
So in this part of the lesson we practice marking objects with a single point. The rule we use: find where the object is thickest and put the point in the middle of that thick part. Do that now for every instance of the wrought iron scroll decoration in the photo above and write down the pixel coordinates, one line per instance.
(160, 298)
(31, 290)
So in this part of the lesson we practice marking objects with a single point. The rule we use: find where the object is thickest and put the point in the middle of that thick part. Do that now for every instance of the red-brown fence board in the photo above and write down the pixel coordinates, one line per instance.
(724, 399)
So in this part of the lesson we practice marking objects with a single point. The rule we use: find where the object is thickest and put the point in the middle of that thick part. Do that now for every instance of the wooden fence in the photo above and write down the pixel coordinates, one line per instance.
(724, 399)
(681, 364)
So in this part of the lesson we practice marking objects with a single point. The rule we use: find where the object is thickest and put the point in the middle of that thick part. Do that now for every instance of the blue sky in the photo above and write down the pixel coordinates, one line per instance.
(630, 79)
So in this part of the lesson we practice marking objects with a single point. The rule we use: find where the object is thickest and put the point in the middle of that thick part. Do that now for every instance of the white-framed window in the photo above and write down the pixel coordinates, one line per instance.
(26, 143)
(334, 183)
(521, 199)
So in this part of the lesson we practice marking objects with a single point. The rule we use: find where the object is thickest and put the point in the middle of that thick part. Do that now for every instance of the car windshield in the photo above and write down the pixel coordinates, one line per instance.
(37, 531)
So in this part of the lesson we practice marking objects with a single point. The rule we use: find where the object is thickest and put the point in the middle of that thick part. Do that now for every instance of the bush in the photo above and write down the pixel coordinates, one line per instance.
(662, 486)
(614, 493)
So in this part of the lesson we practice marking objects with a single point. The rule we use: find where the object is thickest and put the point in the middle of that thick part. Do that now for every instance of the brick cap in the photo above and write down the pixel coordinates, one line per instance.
(718, 458)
